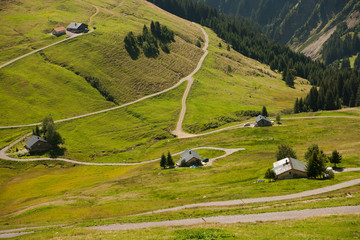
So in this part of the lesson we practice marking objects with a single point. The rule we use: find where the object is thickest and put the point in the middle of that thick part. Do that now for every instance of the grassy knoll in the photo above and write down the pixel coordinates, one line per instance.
(219, 94)
(54, 82)
(63, 194)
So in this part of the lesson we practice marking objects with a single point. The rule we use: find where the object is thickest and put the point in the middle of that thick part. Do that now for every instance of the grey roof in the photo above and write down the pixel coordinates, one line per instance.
(34, 139)
(287, 164)
(261, 117)
(74, 25)
(188, 155)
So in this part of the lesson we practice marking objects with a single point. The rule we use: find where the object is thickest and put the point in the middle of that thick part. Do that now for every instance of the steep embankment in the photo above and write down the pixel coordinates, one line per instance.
(56, 81)
(304, 25)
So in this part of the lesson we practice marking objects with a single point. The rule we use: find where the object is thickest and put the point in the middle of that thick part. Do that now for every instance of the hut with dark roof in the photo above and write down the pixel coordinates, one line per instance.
(37, 144)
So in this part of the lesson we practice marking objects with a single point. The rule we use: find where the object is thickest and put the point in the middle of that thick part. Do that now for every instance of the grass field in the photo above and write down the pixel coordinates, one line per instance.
(325, 227)
(218, 94)
(66, 193)
(53, 83)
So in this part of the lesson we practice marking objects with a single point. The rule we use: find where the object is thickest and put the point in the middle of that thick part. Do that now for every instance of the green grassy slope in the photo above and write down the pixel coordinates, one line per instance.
(41, 82)
(218, 93)
(119, 191)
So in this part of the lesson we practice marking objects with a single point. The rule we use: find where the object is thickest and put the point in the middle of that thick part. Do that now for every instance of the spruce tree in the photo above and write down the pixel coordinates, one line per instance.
(163, 161)
(335, 157)
(264, 112)
(357, 101)
(316, 162)
(296, 106)
(170, 161)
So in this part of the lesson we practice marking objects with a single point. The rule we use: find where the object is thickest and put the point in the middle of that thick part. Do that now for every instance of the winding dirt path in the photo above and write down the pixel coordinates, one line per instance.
(92, 16)
(187, 78)
(243, 218)
(179, 131)
(5, 156)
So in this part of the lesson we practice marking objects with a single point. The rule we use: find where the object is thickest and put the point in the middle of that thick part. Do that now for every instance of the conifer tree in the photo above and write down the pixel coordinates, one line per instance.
(296, 106)
(170, 161)
(264, 112)
(335, 157)
(163, 161)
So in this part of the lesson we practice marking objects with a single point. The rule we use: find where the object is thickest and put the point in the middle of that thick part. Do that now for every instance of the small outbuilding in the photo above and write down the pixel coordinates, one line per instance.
(59, 31)
(190, 157)
(289, 168)
(37, 144)
(261, 121)
(77, 27)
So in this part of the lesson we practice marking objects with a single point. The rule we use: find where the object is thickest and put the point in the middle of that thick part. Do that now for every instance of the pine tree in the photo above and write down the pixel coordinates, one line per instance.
(163, 161)
(296, 106)
(357, 101)
(170, 161)
(335, 157)
(264, 112)
(284, 151)
(357, 62)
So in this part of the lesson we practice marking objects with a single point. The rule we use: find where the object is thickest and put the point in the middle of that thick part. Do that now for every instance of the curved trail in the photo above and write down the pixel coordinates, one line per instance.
(5, 156)
(187, 78)
(243, 218)
(261, 199)
(92, 16)
(179, 131)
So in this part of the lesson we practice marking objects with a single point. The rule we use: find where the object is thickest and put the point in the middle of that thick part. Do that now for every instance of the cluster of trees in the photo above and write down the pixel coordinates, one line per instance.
(149, 41)
(245, 40)
(343, 43)
(167, 161)
(315, 158)
(48, 132)
(336, 89)
(339, 86)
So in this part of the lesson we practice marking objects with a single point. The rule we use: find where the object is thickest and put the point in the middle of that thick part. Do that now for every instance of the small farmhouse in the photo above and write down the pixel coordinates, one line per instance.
(261, 121)
(77, 27)
(191, 158)
(59, 31)
(289, 168)
(37, 144)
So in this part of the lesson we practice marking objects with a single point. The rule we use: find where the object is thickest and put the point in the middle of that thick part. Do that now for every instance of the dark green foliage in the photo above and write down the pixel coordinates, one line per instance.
(220, 46)
(131, 45)
(163, 161)
(284, 150)
(264, 112)
(183, 163)
(357, 100)
(245, 40)
(37, 131)
(335, 158)
(278, 118)
(228, 48)
(149, 41)
(289, 77)
(198, 43)
(316, 160)
(169, 161)
(229, 69)
(296, 106)
(270, 174)
(95, 83)
(357, 62)
(49, 132)
(345, 63)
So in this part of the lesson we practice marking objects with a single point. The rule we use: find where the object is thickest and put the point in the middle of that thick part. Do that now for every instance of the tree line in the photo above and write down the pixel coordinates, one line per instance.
(149, 41)
(336, 87)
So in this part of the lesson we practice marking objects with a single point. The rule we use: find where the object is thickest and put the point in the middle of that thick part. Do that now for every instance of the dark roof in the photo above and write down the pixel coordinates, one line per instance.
(74, 25)
(261, 117)
(34, 139)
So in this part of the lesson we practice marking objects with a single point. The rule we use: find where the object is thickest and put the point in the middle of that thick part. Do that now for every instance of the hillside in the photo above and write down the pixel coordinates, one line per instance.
(304, 25)
(49, 81)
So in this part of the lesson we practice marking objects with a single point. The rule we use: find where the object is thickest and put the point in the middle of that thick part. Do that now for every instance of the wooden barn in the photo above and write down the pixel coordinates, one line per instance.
(190, 158)
(289, 168)
(59, 31)
(77, 27)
